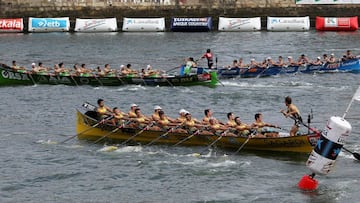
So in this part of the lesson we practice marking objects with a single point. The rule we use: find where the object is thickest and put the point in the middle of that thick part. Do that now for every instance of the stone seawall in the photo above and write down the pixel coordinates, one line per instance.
(170, 8)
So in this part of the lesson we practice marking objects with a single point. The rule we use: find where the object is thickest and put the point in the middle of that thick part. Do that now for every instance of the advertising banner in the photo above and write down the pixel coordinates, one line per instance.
(49, 24)
(239, 24)
(191, 24)
(336, 24)
(288, 23)
(96, 25)
(144, 24)
(327, 1)
(11, 25)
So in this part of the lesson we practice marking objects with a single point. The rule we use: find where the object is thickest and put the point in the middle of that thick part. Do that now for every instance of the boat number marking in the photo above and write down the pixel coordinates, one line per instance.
(14, 76)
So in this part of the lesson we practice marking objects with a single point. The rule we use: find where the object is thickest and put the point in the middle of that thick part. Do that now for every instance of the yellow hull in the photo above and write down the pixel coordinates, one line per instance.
(302, 144)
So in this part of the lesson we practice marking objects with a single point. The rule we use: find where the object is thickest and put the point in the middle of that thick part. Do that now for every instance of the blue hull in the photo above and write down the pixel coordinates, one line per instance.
(352, 66)
(249, 72)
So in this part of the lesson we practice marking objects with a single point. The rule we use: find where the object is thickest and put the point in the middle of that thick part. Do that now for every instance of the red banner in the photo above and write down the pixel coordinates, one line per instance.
(11, 25)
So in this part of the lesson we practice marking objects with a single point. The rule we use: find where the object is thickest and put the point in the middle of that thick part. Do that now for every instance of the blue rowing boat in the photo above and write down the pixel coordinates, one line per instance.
(351, 65)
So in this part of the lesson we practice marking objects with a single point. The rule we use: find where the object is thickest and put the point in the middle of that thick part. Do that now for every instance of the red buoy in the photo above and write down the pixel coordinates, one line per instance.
(308, 183)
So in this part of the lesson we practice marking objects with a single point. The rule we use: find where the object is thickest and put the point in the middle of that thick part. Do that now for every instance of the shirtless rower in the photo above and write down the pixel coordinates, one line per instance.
(231, 120)
(242, 129)
(218, 129)
(293, 112)
(262, 131)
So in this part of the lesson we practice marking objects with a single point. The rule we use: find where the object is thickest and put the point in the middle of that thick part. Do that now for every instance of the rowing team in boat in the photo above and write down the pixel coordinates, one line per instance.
(302, 60)
(82, 70)
(185, 123)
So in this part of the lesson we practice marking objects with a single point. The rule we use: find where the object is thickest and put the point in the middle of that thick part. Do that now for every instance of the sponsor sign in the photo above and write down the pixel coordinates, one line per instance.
(11, 25)
(191, 24)
(144, 24)
(337, 22)
(96, 25)
(49, 24)
(327, 1)
(239, 24)
(288, 23)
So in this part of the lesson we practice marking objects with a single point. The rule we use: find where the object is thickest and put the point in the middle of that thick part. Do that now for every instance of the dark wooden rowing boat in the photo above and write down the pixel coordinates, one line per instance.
(11, 77)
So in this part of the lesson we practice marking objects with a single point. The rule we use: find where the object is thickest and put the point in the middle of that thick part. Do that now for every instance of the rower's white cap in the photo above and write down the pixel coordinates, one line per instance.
(289, 57)
(33, 64)
(134, 105)
(183, 111)
(318, 57)
(157, 107)
(268, 58)
(332, 54)
(252, 59)
(148, 66)
(122, 66)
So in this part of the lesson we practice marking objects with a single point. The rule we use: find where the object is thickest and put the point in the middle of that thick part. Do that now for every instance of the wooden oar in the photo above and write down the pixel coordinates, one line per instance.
(259, 75)
(210, 145)
(98, 79)
(356, 155)
(138, 133)
(93, 126)
(172, 69)
(111, 132)
(168, 82)
(107, 134)
(242, 146)
(163, 135)
(72, 77)
(31, 77)
(190, 136)
(216, 61)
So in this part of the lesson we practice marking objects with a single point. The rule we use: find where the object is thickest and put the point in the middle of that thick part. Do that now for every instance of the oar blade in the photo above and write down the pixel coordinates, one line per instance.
(356, 155)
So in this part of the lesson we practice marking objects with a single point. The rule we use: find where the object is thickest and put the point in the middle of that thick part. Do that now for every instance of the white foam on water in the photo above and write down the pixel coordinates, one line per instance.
(107, 149)
(347, 155)
(129, 149)
(225, 163)
(186, 90)
(76, 146)
(48, 142)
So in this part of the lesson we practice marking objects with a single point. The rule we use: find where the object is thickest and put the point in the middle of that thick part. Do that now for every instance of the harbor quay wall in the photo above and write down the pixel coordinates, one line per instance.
(172, 8)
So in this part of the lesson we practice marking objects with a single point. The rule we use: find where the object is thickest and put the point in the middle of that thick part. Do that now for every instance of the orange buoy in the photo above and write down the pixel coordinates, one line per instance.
(308, 183)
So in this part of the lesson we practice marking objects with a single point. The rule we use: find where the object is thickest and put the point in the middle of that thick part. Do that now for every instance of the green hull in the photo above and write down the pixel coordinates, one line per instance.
(10, 77)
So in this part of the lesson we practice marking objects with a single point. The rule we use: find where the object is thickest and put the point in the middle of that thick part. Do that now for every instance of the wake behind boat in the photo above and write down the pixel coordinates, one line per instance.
(12, 77)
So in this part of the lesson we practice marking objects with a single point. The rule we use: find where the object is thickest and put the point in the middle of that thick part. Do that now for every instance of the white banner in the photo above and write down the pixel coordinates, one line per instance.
(96, 25)
(327, 1)
(239, 24)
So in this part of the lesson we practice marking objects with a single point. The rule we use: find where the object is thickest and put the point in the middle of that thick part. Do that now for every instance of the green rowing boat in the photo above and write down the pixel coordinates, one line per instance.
(11, 77)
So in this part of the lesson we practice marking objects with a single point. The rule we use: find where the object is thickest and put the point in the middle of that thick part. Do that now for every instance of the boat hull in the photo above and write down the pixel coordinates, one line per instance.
(351, 65)
(9, 77)
(301, 144)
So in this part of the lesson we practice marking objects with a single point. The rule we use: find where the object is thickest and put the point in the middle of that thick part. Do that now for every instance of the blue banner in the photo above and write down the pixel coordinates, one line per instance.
(49, 23)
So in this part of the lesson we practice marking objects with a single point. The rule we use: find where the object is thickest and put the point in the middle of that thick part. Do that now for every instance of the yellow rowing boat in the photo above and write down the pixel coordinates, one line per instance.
(88, 130)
